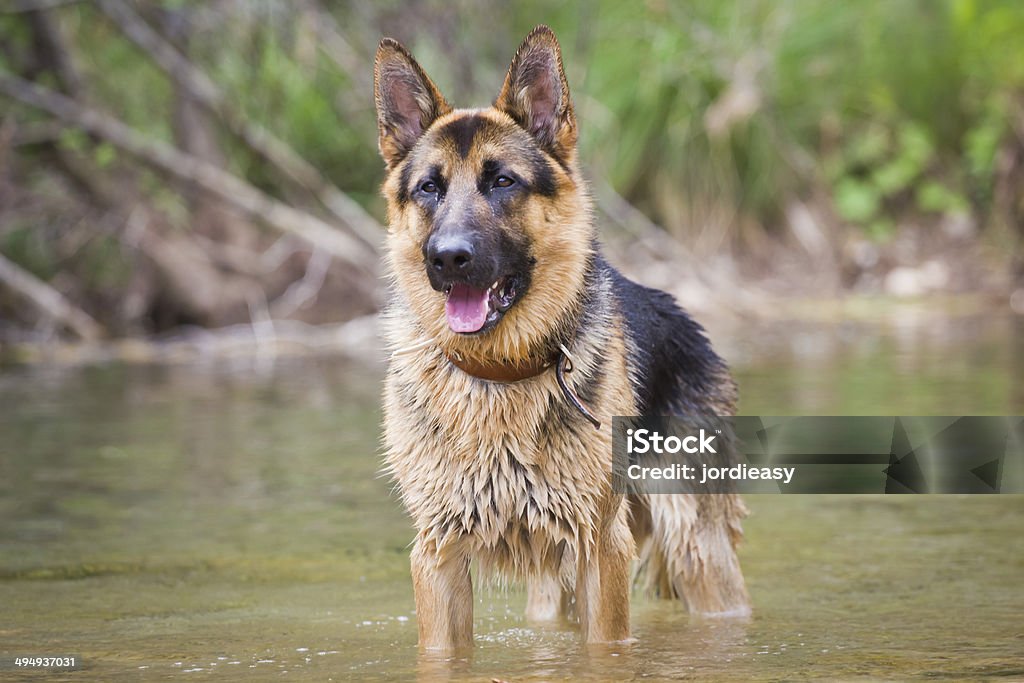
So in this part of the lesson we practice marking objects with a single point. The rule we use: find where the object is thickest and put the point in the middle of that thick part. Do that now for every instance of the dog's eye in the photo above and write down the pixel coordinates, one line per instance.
(430, 187)
(503, 181)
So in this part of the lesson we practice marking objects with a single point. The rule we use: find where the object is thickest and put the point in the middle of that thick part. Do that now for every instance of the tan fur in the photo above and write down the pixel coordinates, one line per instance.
(701, 532)
(482, 483)
(485, 470)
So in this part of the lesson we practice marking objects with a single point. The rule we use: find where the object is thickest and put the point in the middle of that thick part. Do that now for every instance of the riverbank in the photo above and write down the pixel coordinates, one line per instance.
(782, 324)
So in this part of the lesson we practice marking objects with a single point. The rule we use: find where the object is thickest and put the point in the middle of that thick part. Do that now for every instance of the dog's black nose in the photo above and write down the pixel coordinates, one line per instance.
(449, 255)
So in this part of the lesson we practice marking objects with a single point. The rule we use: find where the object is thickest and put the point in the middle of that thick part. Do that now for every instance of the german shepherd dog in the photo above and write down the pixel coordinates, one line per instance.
(514, 343)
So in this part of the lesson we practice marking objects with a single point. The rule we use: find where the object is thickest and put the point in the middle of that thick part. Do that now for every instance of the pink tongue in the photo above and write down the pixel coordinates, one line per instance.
(466, 308)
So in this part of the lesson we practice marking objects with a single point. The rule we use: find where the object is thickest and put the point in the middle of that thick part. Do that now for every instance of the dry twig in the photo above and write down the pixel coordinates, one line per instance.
(224, 185)
(48, 300)
(258, 138)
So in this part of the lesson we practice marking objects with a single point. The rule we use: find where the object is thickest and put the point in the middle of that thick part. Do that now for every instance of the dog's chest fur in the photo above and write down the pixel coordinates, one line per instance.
(506, 474)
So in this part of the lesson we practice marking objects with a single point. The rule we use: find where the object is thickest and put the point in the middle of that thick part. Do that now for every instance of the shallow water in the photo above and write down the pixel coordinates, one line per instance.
(218, 522)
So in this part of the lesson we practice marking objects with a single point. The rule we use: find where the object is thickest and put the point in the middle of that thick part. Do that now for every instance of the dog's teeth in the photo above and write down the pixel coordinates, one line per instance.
(494, 286)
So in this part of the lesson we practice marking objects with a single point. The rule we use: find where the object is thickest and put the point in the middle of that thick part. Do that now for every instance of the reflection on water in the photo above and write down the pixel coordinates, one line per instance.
(172, 522)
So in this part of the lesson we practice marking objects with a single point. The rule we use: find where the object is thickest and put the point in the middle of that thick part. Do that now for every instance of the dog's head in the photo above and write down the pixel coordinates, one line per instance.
(490, 229)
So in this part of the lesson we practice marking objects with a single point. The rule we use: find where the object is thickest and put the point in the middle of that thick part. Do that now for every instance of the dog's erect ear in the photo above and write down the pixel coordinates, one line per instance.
(536, 93)
(407, 100)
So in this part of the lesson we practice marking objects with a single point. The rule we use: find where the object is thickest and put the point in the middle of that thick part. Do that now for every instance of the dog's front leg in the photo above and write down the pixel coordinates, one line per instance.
(444, 598)
(602, 583)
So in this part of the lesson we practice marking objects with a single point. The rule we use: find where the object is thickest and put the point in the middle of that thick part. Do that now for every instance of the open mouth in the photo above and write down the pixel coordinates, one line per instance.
(471, 310)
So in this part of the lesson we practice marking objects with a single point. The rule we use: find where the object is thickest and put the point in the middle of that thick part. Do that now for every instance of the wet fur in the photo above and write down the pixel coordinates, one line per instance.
(509, 476)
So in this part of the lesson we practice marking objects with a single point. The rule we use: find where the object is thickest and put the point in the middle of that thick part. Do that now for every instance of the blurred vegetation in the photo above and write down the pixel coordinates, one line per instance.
(739, 128)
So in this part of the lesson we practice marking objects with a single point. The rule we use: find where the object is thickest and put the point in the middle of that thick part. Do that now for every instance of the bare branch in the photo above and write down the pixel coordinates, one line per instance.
(648, 233)
(304, 291)
(48, 300)
(224, 185)
(258, 138)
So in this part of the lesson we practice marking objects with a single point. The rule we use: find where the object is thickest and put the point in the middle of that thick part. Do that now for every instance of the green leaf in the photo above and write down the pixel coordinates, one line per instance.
(915, 144)
(881, 230)
(934, 196)
(870, 146)
(856, 201)
(981, 146)
(105, 155)
(73, 140)
(895, 176)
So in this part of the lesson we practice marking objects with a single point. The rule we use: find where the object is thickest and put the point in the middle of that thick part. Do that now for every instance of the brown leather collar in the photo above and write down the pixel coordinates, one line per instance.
(502, 372)
(509, 372)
